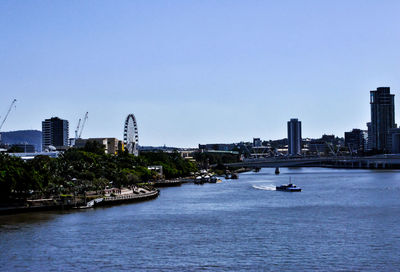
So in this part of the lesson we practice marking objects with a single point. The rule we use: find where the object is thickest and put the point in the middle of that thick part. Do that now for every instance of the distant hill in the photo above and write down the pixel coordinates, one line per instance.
(33, 137)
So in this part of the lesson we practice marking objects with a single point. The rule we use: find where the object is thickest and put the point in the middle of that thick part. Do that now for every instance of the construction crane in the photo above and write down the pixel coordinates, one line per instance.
(76, 133)
(8, 112)
(83, 124)
(77, 128)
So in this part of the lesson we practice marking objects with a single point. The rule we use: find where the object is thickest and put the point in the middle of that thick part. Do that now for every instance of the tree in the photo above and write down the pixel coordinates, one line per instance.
(94, 147)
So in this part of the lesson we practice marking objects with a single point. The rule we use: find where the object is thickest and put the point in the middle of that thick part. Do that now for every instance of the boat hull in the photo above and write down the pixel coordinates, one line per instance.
(288, 189)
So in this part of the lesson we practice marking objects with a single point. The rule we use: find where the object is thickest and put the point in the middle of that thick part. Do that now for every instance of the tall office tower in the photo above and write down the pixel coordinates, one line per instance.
(382, 119)
(55, 132)
(294, 136)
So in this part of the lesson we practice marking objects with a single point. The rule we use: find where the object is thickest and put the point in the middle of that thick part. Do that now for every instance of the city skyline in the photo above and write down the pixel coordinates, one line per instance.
(197, 73)
(365, 129)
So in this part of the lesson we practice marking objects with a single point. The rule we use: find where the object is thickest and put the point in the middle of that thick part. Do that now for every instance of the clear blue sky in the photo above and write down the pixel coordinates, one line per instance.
(198, 71)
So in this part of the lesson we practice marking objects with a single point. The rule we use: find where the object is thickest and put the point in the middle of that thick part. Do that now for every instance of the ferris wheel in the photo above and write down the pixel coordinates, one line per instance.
(131, 137)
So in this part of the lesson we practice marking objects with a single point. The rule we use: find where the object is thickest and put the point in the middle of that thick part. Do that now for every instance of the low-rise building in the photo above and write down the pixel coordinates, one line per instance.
(318, 147)
(394, 140)
(24, 148)
(257, 142)
(356, 140)
(111, 145)
(219, 147)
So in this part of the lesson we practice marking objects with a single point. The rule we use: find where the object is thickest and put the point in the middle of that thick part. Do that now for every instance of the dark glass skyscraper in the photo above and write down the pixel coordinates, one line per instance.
(382, 119)
(55, 132)
(294, 137)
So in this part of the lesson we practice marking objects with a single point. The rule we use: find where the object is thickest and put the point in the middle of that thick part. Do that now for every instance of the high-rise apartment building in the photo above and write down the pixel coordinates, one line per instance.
(382, 119)
(294, 137)
(55, 132)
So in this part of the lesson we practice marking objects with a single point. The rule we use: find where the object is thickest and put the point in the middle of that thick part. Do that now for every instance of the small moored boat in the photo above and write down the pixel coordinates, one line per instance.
(213, 179)
(199, 180)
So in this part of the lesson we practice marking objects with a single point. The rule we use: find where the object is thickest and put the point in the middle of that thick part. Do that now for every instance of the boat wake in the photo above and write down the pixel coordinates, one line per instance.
(265, 187)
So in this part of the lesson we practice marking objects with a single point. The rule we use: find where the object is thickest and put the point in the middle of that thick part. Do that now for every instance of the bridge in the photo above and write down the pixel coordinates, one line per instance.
(372, 162)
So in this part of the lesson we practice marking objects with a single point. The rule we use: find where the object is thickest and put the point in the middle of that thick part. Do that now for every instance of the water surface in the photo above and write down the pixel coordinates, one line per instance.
(342, 220)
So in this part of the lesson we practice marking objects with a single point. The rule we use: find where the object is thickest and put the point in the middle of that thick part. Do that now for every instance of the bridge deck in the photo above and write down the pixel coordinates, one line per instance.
(384, 161)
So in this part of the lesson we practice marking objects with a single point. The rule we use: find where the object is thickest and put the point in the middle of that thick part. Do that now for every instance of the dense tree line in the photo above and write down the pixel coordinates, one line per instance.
(80, 170)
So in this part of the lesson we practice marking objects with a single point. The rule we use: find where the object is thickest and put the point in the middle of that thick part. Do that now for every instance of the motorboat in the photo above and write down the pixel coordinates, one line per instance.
(288, 188)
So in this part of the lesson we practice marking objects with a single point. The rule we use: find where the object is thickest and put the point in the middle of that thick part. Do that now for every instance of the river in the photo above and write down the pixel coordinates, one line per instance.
(342, 220)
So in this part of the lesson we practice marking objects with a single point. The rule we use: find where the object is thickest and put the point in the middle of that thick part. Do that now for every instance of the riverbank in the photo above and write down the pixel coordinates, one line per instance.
(24, 209)
(65, 203)
(129, 198)
(108, 197)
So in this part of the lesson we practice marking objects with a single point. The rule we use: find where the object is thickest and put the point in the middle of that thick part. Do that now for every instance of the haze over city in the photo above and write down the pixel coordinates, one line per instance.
(197, 72)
